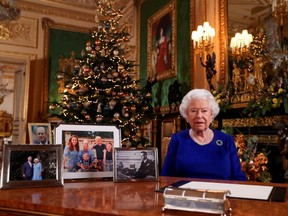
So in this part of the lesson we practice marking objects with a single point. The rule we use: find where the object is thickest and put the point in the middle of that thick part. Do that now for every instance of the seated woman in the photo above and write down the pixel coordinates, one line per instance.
(201, 152)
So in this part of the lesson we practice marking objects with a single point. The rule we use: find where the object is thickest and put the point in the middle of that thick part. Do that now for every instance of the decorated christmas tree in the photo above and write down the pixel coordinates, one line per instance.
(100, 87)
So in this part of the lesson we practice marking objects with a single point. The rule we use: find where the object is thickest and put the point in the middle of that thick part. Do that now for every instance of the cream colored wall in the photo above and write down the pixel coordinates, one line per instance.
(26, 49)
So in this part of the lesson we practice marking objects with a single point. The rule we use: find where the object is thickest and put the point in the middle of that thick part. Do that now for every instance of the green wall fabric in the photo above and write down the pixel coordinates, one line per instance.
(62, 42)
(182, 53)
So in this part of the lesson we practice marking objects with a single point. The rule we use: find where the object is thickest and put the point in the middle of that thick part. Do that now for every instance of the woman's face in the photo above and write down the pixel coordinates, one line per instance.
(74, 141)
(199, 115)
(109, 147)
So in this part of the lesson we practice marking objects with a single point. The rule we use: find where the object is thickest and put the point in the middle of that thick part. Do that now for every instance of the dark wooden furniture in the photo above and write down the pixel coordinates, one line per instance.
(109, 198)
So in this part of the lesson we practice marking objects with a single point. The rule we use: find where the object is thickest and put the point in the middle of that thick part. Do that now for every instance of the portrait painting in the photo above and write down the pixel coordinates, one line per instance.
(161, 43)
(31, 166)
(135, 164)
(40, 133)
(87, 150)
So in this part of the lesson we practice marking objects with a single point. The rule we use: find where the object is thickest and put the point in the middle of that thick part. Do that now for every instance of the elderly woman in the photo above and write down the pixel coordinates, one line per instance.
(37, 170)
(201, 152)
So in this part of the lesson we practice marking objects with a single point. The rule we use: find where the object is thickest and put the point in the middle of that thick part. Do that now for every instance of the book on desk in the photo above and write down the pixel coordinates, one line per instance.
(242, 191)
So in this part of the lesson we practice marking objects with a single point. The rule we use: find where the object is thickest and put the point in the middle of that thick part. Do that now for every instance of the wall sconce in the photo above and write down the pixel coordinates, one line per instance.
(280, 14)
(203, 42)
(203, 38)
(240, 43)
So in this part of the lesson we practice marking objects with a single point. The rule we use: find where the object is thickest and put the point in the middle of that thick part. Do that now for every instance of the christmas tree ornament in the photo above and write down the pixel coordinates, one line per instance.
(116, 115)
(52, 107)
(115, 52)
(99, 118)
(87, 117)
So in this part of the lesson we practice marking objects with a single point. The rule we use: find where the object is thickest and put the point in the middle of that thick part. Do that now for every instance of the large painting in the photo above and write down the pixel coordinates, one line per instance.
(161, 43)
(61, 41)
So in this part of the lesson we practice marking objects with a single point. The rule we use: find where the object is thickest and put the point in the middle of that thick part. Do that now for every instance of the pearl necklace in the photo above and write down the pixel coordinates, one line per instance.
(206, 140)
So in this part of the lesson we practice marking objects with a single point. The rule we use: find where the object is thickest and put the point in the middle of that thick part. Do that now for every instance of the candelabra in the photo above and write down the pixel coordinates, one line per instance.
(203, 42)
(280, 14)
(203, 38)
(240, 43)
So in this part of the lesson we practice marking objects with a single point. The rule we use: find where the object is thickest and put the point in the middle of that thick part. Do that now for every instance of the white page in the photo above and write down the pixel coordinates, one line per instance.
(236, 190)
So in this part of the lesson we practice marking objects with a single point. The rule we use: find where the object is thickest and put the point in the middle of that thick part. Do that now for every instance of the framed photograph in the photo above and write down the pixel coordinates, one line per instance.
(161, 43)
(40, 133)
(88, 150)
(135, 164)
(31, 166)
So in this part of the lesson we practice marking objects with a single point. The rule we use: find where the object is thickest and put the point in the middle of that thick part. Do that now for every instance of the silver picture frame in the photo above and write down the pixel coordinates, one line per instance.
(109, 134)
(135, 164)
(14, 157)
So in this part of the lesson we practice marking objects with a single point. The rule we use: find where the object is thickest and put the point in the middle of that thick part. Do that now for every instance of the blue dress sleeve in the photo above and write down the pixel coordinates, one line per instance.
(169, 166)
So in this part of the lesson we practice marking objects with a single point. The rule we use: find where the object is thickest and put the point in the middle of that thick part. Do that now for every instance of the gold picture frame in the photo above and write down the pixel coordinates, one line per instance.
(161, 44)
(14, 158)
(50, 85)
(44, 136)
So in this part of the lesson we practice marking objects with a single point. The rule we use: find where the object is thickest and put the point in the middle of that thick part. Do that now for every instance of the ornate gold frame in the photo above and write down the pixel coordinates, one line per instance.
(47, 24)
(169, 8)
(223, 39)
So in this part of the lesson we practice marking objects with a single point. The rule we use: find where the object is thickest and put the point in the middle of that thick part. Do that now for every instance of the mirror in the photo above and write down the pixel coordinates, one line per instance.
(255, 15)
(258, 65)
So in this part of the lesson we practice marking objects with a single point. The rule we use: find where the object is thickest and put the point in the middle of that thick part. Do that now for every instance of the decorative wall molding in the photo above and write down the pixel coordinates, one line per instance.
(22, 32)
(254, 122)
(60, 12)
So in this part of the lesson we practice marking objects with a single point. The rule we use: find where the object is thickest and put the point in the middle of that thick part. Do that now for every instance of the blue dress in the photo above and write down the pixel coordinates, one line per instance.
(216, 160)
(72, 157)
(37, 169)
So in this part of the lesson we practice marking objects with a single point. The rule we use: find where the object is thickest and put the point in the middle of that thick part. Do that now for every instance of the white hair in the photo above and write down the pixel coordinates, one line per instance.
(202, 94)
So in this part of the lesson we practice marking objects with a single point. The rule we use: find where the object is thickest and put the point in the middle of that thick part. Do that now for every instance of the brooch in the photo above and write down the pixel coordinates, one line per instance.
(219, 142)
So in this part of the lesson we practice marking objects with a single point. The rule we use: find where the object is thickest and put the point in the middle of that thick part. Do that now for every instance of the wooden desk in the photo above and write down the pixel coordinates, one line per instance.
(109, 198)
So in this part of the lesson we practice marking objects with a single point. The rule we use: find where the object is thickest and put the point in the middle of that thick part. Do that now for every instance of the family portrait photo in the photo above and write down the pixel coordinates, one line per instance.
(87, 150)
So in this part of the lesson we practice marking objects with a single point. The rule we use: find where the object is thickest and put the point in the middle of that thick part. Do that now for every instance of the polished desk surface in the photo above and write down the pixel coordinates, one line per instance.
(110, 198)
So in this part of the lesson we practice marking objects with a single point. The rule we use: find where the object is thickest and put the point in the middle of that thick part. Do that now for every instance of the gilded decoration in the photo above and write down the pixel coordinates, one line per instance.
(5, 124)
(254, 122)
(47, 24)
(60, 12)
(223, 40)
(22, 32)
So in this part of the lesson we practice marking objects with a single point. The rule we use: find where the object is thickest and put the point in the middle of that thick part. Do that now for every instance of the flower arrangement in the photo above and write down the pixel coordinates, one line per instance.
(274, 95)
(253, 163)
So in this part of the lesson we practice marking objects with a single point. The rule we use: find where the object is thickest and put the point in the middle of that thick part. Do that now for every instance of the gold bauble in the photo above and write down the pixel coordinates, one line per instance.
(108, 91)
(133, 108)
